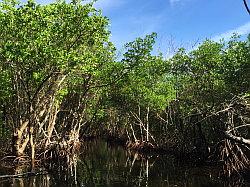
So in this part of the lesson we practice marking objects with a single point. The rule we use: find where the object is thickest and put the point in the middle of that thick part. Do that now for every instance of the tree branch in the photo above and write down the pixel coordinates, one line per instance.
(237, 138)
(246, 6)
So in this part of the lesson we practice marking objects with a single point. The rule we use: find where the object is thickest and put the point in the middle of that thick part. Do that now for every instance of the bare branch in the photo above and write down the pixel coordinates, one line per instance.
(237, 138)
(246, 6)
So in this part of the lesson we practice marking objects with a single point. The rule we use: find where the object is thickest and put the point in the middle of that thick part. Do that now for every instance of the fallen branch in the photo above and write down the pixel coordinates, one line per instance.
(237, 138)
(27, 174)
(234, 128)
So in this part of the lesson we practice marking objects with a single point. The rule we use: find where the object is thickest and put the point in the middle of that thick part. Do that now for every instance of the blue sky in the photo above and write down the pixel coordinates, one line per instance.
(178, 23)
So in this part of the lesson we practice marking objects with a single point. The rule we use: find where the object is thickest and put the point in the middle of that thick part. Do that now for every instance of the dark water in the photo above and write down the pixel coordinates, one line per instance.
(103, 165)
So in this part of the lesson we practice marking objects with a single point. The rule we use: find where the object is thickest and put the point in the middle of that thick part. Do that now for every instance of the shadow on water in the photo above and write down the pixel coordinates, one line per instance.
(103, 165)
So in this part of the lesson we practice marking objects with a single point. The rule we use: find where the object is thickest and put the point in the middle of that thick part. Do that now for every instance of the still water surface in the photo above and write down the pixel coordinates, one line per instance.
(103, 165)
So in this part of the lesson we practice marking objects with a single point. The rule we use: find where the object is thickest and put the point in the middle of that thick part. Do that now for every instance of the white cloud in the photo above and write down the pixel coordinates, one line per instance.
(108, 4)
(175, 2)
(241, 30)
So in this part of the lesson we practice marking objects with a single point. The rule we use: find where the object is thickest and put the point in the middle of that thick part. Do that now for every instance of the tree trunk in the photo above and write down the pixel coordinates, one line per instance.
(17, 144)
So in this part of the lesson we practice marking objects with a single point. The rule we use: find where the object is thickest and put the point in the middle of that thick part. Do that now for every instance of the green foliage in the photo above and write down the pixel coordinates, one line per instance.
(237, 66)
(212, 73)
(60, 37)
(143, 83)
(53, 57)
(59, 55)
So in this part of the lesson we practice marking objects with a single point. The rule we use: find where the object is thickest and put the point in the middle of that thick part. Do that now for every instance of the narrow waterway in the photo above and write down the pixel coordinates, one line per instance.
(103, 165)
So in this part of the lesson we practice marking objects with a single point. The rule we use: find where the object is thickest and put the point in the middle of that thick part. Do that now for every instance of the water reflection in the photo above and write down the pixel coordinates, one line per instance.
(112, 166)
(103, 165)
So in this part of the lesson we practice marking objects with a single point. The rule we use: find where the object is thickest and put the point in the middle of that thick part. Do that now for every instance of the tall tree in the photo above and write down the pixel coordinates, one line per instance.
(51, 57)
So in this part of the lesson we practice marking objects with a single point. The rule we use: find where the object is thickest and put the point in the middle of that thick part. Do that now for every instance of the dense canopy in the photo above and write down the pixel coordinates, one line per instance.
(60, 83)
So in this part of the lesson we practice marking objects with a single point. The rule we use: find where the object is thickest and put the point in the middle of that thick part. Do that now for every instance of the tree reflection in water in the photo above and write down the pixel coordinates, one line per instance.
(104, 165)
